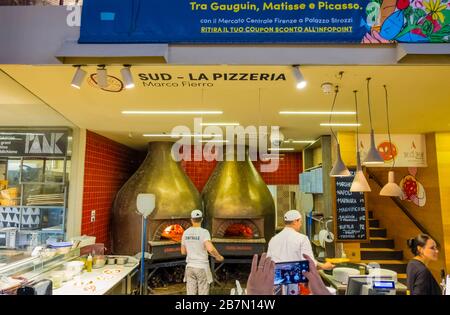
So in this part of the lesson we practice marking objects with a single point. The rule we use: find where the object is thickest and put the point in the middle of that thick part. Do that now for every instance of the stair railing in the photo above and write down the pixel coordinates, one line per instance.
(402, 207)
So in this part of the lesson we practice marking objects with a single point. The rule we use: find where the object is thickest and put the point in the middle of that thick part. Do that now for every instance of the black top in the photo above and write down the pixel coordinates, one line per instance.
(420, 279)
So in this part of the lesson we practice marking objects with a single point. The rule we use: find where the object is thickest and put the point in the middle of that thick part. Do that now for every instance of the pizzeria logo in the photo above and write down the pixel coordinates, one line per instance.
(114, 84)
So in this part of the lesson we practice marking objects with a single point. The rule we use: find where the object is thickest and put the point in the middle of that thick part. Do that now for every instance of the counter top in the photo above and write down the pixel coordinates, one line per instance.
(341, 288)
(97, 282)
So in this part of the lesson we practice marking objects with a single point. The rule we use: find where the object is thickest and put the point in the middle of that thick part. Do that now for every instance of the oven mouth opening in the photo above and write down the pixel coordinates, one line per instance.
(239, 230)
(172, 232)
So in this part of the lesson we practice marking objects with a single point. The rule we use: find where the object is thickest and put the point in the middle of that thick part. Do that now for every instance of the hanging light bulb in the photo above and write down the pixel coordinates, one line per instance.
(391, 189)
(127, 77)
(102, 76)
(299, 78)
(78, 78)
(339, 169)
(373, 156)
(359, 183)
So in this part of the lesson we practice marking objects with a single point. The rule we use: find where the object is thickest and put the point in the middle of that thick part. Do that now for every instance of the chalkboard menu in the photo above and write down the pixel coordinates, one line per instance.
(351, 212)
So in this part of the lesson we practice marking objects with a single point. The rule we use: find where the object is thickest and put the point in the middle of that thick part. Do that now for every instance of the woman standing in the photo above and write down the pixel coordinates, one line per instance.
(420, 279)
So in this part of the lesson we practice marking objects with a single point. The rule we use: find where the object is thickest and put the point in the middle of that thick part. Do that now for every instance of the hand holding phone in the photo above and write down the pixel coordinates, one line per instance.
(291, 272)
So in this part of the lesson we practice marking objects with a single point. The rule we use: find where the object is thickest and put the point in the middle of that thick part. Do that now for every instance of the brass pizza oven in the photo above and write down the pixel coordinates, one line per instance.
(240, 211)
(175, 196)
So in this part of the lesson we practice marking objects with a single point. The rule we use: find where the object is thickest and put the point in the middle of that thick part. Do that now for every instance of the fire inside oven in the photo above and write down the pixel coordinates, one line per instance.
(235, 228)
(172, 232)
(239, 230)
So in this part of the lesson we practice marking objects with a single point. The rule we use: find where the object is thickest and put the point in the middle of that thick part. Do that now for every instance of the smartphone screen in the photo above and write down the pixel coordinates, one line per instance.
(291, 272)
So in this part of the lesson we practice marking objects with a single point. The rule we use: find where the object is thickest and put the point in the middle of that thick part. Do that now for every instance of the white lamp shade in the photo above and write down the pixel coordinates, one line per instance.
(339, 169)
(373, 156)
(78, 78)
(300, 81)
(359, 183)
(127, 77)
(391, 189)
(145, 204)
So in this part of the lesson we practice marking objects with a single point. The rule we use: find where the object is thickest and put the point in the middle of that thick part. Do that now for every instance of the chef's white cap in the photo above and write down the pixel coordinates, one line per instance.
(292, 215)
(196, 214)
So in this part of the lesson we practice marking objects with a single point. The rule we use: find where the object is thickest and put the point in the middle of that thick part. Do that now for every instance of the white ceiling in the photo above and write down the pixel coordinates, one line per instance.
(419, 99)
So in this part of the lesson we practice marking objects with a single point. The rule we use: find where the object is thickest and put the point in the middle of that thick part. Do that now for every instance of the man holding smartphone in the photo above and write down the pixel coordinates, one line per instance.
(290, 244)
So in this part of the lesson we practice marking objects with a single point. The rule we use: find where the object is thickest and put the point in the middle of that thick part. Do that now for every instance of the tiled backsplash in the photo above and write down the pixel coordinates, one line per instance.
(108, 165)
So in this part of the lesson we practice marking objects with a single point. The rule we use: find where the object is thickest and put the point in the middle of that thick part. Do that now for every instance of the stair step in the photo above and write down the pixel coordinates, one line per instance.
(398, 266)
(370, 214)
(377, 232)
(381, 254)
(379, 242)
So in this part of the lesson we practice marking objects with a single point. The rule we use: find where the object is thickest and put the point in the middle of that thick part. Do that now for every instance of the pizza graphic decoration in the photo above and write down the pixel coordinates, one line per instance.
(412, 189)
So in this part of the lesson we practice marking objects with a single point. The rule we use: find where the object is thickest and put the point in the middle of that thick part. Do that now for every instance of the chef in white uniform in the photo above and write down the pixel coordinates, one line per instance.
(290, 244)
(196, 243)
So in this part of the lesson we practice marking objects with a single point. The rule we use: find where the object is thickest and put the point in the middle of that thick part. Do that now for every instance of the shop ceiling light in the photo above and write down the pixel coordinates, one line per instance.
(359, 183)
(220, 124)
(127, 77)
(78, 77)
(171, 112)
(214, 141)
(373, 156)
(339, 169)
(281, 149)
(299, 141)
(204, 135)
(391, 189)
(315, 113)
(300, 81)
(340, 125)
(102, 76)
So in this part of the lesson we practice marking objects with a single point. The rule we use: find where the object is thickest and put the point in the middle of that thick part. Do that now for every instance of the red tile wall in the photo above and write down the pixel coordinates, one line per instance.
(108, 165)
(289, 168)
(290, 165)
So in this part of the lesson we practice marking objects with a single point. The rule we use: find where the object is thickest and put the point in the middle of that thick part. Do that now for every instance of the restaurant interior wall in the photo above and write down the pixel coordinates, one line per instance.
(443, 161)
(109, 164)
(399, 226)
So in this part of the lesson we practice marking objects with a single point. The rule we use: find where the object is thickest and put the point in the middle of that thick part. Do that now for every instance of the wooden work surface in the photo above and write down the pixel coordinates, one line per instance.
(341, 288)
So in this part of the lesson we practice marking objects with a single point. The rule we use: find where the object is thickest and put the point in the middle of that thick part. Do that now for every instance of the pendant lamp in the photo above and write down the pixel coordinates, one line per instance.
(373, 156)
(359, 183)
(339, 169)
(391, 189)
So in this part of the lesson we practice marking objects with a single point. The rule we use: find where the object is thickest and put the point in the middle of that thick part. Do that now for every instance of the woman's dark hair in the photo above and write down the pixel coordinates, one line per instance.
(419, 240)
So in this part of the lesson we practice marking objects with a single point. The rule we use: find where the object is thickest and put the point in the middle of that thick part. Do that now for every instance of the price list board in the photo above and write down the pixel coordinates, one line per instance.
(351, 214)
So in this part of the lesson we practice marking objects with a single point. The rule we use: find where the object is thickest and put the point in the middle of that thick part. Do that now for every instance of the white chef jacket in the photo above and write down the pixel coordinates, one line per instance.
(289, 245)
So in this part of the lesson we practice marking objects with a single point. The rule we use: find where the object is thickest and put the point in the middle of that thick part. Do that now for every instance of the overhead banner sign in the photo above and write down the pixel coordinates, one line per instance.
(407, 150)
(260, 21)
(33, 143)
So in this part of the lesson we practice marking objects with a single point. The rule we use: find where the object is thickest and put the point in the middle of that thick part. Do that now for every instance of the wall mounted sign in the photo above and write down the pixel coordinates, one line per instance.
(260, 21)
(351, 219)
(409, 150)
(412, 189)
(33, 143)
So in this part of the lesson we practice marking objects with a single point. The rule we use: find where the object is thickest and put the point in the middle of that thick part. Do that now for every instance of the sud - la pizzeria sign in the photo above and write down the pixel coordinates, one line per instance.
(164, 79)
(190, 80)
